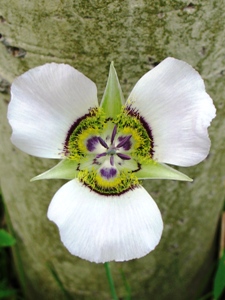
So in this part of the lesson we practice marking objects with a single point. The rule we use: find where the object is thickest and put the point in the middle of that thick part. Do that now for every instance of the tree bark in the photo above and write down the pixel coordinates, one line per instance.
(136, 35)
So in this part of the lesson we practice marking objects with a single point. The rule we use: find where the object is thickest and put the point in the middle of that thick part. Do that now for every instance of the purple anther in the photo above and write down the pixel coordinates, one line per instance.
(112, 160)
(100, 155)
(103, 143)
(127, 145)
(123, 141)
(113, 134)
(108, 173)
(123, 156)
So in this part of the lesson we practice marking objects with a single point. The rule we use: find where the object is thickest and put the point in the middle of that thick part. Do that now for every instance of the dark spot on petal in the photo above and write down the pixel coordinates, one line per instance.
(92, 143)
(138, 168)
(108, 173)
(95, 162)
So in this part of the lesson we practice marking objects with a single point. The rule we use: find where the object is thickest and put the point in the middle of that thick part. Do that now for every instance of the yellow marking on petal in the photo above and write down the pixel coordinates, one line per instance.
(138, 141)
(111, 183)
(92, 125)
(130, 124)
(121, 183)
(83, 136)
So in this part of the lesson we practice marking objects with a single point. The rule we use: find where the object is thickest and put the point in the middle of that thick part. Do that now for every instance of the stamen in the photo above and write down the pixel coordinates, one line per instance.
(100, 155)
(124, 140)
(123, 156)
(103, 143)
(113, 134)
(111, 160)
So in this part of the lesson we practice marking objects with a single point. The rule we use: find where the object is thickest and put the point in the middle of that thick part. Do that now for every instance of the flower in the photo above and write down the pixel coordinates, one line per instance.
(103, 213)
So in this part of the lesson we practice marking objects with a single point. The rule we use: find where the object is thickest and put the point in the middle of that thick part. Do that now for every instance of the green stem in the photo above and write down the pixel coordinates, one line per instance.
(110, 280)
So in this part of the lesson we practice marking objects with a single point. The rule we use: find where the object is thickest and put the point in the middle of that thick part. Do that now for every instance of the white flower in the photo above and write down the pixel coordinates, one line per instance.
(103, 213)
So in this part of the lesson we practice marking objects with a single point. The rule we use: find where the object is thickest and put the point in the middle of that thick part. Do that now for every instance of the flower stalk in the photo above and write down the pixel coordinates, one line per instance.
(110, 280)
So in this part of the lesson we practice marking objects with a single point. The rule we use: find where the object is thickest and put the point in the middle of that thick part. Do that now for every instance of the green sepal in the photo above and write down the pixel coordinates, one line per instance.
(66, 169)
(113, 99)
(155, 170)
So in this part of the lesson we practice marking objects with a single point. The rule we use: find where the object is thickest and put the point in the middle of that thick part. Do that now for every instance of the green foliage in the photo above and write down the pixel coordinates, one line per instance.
(6, 274)
(6, 240)
(219, 281)
(58, 281)
(126, 285)
(5, 292)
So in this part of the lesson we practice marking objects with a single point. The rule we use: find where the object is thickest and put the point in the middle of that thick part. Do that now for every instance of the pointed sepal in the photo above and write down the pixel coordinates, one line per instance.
(66, 169)
(155, 170)
(113, 99)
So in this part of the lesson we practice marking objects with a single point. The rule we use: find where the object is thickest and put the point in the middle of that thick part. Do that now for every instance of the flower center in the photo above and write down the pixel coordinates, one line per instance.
(115, 147)
(108, 151)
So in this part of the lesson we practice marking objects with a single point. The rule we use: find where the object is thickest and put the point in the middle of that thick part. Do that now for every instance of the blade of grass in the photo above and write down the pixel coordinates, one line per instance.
(219, 281)
(16, 265)
(126, 284)
(208, 296)
(58, 281)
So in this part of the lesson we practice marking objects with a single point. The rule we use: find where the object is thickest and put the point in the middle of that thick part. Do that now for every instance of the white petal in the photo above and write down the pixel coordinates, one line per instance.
(172, 100)
(105, 228)
(45, 102)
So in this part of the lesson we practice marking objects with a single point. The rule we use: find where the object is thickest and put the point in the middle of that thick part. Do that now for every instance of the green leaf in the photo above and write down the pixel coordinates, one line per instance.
(113, 99)
(6, 293)
(219, 281)
(66, 169)
(6, 239)
(154, 170)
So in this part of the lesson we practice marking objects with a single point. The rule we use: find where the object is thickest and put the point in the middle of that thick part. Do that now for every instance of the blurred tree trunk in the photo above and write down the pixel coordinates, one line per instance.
(136, 35)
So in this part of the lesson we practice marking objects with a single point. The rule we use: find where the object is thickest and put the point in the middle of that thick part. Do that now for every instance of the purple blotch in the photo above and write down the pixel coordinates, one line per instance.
(108, 173)
(91, 143)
